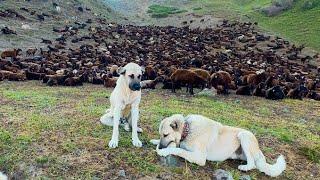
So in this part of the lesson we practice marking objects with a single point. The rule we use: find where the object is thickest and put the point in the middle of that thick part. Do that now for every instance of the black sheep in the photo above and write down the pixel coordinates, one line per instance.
(275, 93)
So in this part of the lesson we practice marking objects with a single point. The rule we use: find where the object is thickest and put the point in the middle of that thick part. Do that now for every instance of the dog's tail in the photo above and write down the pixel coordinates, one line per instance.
(3, 176)
(271, 170)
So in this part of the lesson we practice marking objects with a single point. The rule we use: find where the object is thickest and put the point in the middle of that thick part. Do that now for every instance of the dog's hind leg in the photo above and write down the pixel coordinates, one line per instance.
(250, 147)
(107, 118)
(127, 126)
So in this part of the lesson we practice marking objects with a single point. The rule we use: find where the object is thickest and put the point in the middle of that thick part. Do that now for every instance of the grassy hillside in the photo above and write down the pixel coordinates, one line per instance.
(299, 24)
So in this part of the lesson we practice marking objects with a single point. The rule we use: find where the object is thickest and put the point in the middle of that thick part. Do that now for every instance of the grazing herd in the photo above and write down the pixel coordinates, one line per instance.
(230, 57)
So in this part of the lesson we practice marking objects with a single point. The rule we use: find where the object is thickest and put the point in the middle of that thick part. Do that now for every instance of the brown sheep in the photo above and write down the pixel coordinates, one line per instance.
(221, 78)
(255, 79)
(12, 68)
(183, 76)
(31, 51)
(10, 53)
(73, 81)
(19, 76)
(150, 84)
(109, 82)
(150, 73)
(313, 84)
(114, 70)
(202, 73)
(54, 79)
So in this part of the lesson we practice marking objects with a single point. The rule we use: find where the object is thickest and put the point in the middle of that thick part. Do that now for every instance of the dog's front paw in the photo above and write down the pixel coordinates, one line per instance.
(155, 141)
(113, 143)
(163, 152)
(136, 142)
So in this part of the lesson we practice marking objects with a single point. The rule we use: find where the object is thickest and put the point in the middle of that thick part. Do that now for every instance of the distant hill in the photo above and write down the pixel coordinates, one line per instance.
(35, 19)
(299, 21)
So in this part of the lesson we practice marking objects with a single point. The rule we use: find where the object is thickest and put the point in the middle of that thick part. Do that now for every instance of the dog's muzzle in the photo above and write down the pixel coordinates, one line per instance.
(161, 146)
(135, 87)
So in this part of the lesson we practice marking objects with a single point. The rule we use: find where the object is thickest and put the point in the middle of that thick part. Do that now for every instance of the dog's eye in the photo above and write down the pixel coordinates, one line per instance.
(131, 76)
(165, 135)
(139, 76)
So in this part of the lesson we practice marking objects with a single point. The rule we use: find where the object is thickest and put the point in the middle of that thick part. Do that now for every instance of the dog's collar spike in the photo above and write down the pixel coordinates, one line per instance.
(185, 131)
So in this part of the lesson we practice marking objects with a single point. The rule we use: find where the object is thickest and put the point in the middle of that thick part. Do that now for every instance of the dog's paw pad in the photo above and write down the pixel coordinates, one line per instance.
(137, 143)
(113, 143)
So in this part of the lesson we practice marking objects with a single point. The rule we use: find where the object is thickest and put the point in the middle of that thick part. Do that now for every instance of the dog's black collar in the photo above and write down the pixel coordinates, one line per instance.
(185, 132)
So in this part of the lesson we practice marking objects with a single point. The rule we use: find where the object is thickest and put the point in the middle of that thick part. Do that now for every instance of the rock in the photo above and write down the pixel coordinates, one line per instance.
(272, 10)
(237, 101)
(207, 93)
(170, 161)
(25, 26)
(221, 174)
(285, 4)
(286, 110)
(122, 173)
(245, 177)
(277, 7)
(302, 120)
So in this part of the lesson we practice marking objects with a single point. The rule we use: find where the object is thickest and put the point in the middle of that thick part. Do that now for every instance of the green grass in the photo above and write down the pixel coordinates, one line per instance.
(56, 131)
(159, 11)
(313, 153)
(299, 24)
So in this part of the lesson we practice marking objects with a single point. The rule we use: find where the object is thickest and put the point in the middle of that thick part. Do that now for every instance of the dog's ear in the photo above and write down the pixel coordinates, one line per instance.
(143, 69)
(174, 125)
(121, 70)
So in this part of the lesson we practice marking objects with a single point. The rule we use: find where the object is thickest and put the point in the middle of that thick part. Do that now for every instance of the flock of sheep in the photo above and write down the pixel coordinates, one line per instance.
(231, 56)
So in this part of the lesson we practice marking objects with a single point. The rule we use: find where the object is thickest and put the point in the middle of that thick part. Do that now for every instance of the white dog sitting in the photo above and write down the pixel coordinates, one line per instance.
(197, 139)
(124, 100)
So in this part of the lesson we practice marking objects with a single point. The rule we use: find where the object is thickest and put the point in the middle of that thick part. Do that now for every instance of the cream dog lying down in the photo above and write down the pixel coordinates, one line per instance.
(197, 139)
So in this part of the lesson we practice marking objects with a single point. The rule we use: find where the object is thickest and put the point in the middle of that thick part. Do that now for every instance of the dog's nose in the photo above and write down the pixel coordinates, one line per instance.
(136, 86)
(161, 146)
